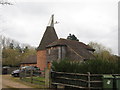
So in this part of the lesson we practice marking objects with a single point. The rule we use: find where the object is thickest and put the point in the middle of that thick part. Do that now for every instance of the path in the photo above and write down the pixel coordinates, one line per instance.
(8, 82)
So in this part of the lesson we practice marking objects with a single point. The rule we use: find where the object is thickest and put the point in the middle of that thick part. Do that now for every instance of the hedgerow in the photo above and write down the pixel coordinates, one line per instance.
(97, 66)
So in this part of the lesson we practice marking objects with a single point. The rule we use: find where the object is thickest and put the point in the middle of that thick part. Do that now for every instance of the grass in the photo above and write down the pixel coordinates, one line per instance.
(39, 78)
(38, 81)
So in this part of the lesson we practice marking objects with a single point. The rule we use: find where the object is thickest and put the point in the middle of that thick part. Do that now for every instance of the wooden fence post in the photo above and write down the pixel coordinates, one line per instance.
(31, 75)
(88, 80)
(20, 74)
(47, 78)
(25, 73)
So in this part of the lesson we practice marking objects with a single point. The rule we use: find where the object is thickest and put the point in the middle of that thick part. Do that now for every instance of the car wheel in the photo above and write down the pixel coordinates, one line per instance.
(16, 75)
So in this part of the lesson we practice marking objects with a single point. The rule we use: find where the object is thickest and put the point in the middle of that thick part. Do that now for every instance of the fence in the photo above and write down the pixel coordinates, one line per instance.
(32, 77)
(76, 80)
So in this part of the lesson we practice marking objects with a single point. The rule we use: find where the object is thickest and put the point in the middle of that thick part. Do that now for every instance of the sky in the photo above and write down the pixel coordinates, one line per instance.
(89, 20)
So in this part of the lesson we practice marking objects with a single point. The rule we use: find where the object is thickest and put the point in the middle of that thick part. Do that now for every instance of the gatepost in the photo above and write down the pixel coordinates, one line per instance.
(48, 75)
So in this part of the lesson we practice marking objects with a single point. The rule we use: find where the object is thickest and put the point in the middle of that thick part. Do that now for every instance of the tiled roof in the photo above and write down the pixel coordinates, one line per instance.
(30, 60)
(79, 47)
(48, 37)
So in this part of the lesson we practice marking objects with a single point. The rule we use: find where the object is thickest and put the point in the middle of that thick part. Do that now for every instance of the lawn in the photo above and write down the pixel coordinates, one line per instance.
(35, 80)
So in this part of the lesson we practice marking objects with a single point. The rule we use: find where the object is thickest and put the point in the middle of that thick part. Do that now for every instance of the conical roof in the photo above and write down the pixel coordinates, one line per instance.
(48, 37)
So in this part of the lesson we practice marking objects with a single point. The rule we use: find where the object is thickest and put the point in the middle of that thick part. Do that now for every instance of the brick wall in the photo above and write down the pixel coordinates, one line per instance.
(22, 65)
(41, 59)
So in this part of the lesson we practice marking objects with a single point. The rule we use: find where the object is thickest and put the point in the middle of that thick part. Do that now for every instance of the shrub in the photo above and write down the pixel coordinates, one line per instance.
(97, 66)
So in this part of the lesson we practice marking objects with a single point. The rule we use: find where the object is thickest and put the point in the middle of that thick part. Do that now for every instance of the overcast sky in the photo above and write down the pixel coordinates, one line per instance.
(89, 20)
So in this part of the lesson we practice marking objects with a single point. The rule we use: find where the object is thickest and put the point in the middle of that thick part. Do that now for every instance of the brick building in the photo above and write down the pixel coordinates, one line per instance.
(48, 37)
(51, 48)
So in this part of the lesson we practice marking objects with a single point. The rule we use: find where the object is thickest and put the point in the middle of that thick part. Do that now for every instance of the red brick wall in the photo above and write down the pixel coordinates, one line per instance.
(41, 59)
(22, 65)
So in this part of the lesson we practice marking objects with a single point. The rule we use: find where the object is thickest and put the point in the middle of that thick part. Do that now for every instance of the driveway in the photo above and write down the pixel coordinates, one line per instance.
(9, 82)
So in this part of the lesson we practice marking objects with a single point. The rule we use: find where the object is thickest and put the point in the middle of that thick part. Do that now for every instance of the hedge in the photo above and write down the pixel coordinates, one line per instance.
(97, 66)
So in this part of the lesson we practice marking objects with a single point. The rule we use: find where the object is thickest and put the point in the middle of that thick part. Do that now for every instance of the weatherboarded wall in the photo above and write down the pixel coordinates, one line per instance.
(61, 52)
(52, 54)
(56, 53)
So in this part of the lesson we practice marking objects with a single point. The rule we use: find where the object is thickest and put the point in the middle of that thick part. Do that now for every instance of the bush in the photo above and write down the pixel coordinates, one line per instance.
(97, 66)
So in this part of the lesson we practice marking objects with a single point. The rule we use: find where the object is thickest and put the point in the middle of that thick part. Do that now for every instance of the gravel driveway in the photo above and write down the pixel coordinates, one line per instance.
(8, 82)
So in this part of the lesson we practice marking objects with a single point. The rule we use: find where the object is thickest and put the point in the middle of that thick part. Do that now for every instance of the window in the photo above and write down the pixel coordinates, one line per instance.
(49, 51)
(60, 52)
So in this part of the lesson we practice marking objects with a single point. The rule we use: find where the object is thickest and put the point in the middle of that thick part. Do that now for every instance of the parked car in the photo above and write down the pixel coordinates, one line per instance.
(16, 73)
(30, 68)
(36, 70)
(5, 69)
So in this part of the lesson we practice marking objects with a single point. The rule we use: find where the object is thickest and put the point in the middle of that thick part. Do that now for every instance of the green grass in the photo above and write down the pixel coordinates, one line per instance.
(35, 80)
(39, 78)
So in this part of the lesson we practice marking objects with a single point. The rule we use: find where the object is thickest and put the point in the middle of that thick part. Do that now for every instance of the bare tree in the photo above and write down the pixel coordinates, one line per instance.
(5, 2)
